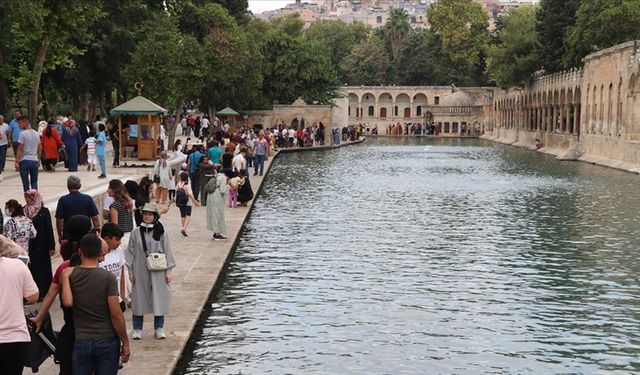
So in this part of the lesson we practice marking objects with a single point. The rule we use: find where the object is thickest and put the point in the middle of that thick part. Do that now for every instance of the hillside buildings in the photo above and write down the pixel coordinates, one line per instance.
(375, 12)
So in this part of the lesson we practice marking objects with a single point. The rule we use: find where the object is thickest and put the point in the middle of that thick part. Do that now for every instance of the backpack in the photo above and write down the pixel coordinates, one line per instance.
(181, 197)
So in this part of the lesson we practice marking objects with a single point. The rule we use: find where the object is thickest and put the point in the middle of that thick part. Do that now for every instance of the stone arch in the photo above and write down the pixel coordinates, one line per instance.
(353, 105)
(619, 107)
(420, 101)
(601, 112)
(402, 103)
(609, 118)
(296, 124)
(385, 102)
(368, 101)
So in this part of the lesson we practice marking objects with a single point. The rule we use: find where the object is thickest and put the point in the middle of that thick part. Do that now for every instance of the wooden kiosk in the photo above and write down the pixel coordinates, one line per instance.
(139, 128)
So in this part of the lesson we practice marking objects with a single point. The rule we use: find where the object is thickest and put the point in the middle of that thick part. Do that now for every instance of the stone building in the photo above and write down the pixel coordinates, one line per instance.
(454, 111)
(591, 114)
(300, 114)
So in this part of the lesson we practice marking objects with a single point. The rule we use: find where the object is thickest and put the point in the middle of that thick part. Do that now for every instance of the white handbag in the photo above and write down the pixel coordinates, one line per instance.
(155, 261)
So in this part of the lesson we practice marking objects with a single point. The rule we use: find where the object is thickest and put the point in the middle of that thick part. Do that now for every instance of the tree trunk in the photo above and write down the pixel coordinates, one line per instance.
(4, 86)
(38, 67)
(172, 129)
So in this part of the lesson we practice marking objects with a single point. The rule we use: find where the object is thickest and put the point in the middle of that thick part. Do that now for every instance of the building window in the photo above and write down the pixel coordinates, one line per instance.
(419, 111)
(349, 110)
(436, 100)
(395, 111)
(371, 111)
(379, 19)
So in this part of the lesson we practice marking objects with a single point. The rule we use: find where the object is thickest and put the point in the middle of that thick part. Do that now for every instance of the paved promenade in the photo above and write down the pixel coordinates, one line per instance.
(200, 261)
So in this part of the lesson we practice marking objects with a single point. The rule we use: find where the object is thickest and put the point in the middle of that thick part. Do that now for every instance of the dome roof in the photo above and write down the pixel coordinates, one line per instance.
(457, 99)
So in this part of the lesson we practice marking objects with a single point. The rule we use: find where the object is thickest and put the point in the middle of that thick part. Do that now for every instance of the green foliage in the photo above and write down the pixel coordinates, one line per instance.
(514, 59)
(553, 19)
(601, 24)
(461, 27)
(289, 24)
(396, 30)
(417, 63)
(367, 64)
(339, 38)
(167, 63)
(296, 67)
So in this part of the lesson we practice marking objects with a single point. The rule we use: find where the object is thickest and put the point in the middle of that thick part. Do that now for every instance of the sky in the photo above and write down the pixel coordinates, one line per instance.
(257, 6)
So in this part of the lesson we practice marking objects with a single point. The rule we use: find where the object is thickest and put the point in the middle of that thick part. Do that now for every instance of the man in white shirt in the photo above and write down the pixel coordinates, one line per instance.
(204, 125)
(239, 161)
(4, 144)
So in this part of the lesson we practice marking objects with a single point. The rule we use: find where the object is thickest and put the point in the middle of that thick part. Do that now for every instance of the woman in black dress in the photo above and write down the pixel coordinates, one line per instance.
(245, 193)
(43, 246)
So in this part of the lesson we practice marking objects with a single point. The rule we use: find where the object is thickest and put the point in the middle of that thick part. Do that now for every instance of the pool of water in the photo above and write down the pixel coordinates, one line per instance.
(430, 256)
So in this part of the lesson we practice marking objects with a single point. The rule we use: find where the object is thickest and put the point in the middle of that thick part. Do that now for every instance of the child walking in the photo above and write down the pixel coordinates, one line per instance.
(150, 292)
(90, 145)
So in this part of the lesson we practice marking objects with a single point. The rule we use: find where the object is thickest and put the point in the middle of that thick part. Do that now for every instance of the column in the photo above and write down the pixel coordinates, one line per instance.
(359, 112)
(567, 124)
(576, 119)
(376, 109)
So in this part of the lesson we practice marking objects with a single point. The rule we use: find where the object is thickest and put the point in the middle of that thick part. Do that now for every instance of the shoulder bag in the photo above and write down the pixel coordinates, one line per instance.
(155, 261)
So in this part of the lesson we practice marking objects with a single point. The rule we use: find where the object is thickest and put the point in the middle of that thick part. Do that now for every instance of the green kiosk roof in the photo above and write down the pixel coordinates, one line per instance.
(227, 112)
(138, 106)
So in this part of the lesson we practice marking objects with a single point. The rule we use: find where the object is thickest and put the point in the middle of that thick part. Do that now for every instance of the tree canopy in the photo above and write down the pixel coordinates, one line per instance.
(84, 56)
(513, 60)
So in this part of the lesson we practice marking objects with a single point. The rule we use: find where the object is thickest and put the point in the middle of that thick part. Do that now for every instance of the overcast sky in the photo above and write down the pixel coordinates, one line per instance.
(257, 6)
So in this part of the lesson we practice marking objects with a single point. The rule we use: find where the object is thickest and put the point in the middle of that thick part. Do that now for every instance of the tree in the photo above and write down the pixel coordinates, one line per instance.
(461, 27)
(514, 59)
(97, 73)
(339, 38)
(601, 24)
(396, 29)
(553, 19)
(227, 57)
(417, 62)
(46, 36)
(168, 64)
(367, 64)
(296, 67)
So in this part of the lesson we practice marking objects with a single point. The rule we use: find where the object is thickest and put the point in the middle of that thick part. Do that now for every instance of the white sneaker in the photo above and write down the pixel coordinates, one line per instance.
(160, 333)
(137, 334)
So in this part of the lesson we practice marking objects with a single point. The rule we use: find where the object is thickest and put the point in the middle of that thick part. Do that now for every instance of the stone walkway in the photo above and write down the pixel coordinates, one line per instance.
(200, 261)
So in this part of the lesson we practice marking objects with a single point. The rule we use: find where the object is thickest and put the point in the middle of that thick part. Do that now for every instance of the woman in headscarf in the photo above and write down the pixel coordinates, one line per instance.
(43, 246)
(18, 228)
(72, 141)
(150, 293)
(162, 169)
(50, 143)
(217, 190)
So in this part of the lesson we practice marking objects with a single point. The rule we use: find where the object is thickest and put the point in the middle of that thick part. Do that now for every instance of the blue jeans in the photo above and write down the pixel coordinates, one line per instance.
(98, 356)
(29, 171)
(259, 163)
(158, 321)
(103, 164)
(3, 157)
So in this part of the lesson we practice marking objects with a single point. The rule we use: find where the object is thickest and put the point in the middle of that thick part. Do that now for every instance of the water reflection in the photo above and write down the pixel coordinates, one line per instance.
(432, 256)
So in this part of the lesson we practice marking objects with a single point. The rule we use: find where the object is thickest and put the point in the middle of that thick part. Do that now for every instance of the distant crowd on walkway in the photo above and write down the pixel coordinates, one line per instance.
(411, 128)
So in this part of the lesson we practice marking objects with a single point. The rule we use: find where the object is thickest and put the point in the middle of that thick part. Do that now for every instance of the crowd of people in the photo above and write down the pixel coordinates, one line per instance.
(61, 139)
(119, 257)
(408, 128)
(126, 262)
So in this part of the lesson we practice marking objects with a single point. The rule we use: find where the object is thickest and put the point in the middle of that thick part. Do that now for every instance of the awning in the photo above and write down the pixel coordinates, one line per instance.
(227, 112)
(138, 106)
